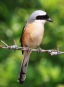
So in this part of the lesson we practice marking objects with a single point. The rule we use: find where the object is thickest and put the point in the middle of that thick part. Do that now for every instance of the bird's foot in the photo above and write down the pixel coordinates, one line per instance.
(39, 49)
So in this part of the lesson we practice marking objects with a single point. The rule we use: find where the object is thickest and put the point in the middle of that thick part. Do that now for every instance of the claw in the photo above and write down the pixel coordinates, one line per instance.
(39, 49)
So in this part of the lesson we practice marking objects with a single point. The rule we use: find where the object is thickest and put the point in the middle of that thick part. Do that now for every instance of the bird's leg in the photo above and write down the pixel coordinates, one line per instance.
(39, 49)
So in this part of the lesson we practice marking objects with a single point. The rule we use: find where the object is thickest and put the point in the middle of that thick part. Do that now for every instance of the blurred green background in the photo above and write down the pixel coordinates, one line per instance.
(43, 70)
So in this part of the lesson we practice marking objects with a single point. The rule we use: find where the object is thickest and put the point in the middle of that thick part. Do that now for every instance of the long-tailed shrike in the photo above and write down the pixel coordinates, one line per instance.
(32, 36)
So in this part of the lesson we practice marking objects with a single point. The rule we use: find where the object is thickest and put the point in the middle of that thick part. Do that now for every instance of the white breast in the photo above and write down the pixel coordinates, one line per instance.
(38, 27)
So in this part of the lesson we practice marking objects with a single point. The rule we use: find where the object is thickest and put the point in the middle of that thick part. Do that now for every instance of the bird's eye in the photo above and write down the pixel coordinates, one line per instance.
(42, 17)
(39, 17)
(45, 16)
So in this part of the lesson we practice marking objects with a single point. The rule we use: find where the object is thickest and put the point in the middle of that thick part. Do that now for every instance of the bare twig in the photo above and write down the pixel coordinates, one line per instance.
(15, 47)
(4, 43)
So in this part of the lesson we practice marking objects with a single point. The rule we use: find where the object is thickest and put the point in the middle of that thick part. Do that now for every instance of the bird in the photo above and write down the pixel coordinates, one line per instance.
(32, 35)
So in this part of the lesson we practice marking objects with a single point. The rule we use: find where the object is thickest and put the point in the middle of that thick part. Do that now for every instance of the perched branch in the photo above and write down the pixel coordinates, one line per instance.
(15, 47)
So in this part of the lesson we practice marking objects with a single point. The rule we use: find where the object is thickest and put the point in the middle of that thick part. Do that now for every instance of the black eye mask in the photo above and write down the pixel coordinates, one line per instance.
(42, 17)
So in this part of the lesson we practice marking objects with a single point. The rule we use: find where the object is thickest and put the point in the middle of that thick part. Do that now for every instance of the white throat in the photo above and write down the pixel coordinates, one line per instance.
(41, 21)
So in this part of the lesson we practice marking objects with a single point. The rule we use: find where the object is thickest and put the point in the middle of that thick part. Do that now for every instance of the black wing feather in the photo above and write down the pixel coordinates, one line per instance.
(21, 37)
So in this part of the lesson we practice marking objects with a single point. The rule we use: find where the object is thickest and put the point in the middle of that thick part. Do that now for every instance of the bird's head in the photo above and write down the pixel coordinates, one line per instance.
(39, 15)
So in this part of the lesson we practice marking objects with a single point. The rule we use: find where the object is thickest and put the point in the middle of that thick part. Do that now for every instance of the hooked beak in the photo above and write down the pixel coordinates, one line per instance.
(50, 20)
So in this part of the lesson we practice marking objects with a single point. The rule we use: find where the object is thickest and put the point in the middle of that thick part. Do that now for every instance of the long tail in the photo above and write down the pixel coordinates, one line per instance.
(24, 66)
